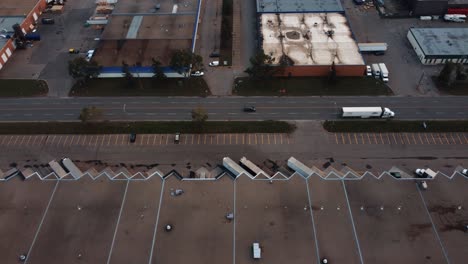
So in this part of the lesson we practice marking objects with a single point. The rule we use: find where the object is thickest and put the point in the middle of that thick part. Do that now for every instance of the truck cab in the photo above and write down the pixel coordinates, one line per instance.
(387, 113)
(425, 173)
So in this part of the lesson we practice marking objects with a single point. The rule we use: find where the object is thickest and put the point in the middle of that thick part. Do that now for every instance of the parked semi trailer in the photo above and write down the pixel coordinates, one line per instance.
(367, 112)
(376, 48)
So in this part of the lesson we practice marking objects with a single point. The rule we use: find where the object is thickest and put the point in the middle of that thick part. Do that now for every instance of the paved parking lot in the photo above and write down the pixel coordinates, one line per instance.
(400, 138)
(296, 219)
(143, 140)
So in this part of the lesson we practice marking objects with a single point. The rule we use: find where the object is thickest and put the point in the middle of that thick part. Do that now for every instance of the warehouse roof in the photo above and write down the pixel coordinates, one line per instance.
(309, 39)
(298, 6)
(442, 41)
(17, 8)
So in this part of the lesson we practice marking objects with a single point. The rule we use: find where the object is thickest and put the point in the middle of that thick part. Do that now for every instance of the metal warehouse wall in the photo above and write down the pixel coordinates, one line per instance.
(324, 70)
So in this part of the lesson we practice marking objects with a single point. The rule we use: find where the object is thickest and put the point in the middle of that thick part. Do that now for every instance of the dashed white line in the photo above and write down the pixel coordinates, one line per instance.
(27, 114)
(47, 114)
(172, 113)
(292, 113)
(150, 114)
(69, 114)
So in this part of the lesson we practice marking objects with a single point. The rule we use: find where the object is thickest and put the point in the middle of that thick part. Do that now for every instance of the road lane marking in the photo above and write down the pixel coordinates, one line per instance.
(342, 139)
(349, 138)
(381, 138)
(156, 136)
(204, 139)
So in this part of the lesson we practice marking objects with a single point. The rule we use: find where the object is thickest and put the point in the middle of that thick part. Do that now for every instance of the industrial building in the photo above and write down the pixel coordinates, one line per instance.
(308, 37)
(438, 7)
(137, 33)
(440, 45)
(25, 13)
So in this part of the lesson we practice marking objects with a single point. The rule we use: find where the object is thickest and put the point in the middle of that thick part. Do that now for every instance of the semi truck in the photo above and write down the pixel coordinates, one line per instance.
(425, 173)
(375, 70)
(383, 72)
(367, 112)
(376, 48)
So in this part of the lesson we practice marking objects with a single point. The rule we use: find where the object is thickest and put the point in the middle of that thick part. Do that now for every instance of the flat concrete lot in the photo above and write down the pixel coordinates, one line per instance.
(122, 221)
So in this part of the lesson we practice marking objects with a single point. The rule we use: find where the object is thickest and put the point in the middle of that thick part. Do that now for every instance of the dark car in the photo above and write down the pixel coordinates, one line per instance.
(250, 109)
(48, 21)
(132, 137)
(359, 2)
(214, 54)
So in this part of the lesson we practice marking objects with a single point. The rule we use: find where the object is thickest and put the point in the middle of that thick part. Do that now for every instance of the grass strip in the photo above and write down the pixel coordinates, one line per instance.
(395, 126)
(23, 88)
(147, 127)
(193, 86)
(311, 86)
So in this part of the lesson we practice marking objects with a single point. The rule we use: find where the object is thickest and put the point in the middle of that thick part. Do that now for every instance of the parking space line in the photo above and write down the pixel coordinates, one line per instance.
(9, 141)
(236, 138)
(268, 137)
(3, 139)
(362, 138)
(375, 138)
(355, 139)
(453, 140)
(122, 142)
(224, 139)
(148, 139)
(34, 141)
(66, 139)
(275, 138)
(116, 139)
(342, 139)
(420, 139)
(432, 136)
(29, 139)
(394, 138)
(255, 136)
(433, 225)
(16, 140)
(167, 139)
(109, 137)
(198, 139)
(59, 139)
(281, 139)
(439, 136)
(52, 140)
(102, 140)
(193, 136)
(368, 138)
(156, 136)
(446, 138)
(287, 139)
(248, 139)
(412, 135)
(349, 138)
(388, 139)
(22, 139)
(466, 140)
(336, 139)
(401, 138)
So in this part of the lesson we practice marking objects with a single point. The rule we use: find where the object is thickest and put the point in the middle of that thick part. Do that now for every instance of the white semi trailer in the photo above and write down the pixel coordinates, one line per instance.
(367, 112)
(383, 72)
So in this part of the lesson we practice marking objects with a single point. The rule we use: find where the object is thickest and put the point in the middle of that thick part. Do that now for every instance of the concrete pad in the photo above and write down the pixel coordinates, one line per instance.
(393, 226)
(22, 205)
(201, 233)
(444, 198)
(273, 215)
(81, 220)
(135, 231)
(332, 221)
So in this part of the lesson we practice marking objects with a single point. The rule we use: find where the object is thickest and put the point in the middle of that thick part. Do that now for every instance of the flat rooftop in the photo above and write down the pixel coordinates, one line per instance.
(149, 7)
(298, 6)
(442, 41)
(17, 8)
(150, 27)
(309, 38)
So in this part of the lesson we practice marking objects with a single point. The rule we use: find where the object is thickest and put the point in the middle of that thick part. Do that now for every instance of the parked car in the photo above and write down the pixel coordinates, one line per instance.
(89, 55)
(359, 2)
(250, 109)
(47, 21)
(132, 137)
(73, 51)
(214, 54)
(197, 74)
(214, 63)
(177, 138)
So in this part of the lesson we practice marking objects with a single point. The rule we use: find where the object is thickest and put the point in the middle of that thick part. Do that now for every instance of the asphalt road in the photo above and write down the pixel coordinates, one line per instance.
(230, 108)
